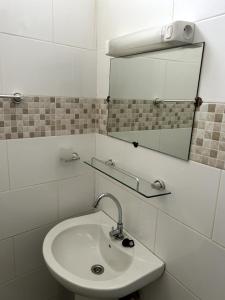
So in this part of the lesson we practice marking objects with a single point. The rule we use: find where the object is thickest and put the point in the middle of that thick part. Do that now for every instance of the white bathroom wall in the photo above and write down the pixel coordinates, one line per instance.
(48, 47)
(184, 229)
(121, 17)
(219, 228)
(115, 17)
(38, 190)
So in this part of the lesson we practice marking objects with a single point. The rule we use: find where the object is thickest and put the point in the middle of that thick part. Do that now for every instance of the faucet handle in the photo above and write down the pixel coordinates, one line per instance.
(116, 233)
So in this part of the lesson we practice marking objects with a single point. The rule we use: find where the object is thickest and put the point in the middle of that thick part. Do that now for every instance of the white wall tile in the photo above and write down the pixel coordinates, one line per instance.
(27, 18)
(195, 10)
(37, 68)
(116, 17)
(7, 269)
(12, 291)
(219, 226)
(4, 174)
(40, 161)
(1, 76)
(23, 210)
(166, 288)
(86, 72)
(147, 216)
(74, 23)
(39, 285)
(103, 66)
(28, 250)
(76, 195)
(139, 218)
(64, 294)
(194, 186)
(191, 258)
(211, 85)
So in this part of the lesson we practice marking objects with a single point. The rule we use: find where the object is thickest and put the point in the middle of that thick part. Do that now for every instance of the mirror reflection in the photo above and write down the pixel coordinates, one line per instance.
(152, 98)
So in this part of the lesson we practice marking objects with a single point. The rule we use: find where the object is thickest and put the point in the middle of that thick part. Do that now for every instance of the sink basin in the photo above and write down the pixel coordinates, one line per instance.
(83, 258)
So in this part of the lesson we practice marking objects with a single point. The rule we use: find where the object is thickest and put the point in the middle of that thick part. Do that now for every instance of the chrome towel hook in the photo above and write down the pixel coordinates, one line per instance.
(16, 97)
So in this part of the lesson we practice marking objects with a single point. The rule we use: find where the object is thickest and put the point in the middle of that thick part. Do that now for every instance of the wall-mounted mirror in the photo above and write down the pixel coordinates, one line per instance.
(152, 98)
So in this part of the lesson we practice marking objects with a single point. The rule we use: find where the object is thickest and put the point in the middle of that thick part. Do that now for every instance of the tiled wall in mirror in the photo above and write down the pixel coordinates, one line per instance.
(152, 98)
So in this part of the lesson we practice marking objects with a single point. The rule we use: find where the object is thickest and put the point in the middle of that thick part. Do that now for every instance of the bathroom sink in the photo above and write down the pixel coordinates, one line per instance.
(81, 255)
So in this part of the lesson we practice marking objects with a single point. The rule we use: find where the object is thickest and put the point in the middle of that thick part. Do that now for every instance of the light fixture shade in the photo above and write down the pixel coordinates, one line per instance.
(167, 36)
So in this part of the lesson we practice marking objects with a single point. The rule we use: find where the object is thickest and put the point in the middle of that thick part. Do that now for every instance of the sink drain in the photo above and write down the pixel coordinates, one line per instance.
(97, 269)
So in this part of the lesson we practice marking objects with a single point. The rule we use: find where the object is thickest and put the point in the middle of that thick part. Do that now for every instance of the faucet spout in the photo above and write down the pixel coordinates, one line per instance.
(118, 232)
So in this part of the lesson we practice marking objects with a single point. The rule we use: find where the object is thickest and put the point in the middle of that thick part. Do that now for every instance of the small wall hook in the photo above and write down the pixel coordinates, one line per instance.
(158, 185)
(75, 156)
(15, 97)
(110, 163)
(67, 155)
(157, 101)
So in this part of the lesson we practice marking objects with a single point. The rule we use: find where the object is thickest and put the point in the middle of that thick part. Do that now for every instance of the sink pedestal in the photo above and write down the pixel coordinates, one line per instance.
(78, 297)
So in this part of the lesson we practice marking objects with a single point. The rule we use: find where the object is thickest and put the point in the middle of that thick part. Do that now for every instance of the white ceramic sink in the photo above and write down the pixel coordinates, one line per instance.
(72, 247)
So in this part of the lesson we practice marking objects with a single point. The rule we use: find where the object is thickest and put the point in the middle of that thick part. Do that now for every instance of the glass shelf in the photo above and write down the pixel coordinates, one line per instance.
(128, 179)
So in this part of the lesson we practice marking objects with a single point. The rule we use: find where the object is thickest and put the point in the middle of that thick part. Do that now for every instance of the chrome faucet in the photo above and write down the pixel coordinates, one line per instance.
(118, 232)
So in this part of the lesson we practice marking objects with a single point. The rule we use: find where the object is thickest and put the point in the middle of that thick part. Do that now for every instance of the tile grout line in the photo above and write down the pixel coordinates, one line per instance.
(156, 230)
(2, 285)
(94, 172)
(22, 188)
(210, 18)
(194, 230)
(8, 165)
(45, 41)
(184, 286)
(173, 10)
(53, 22)
(216, 206)
(58, 200)
(14, 256)
(96, 27)
(31, 230)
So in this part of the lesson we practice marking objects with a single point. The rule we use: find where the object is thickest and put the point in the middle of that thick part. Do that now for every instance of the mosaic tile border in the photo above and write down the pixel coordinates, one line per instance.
(101, 116)
(51, 116)
(208, 141)
(55, 116)
(132, 115)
